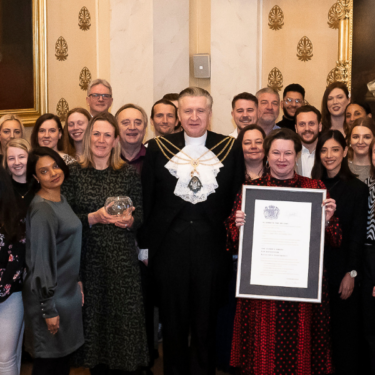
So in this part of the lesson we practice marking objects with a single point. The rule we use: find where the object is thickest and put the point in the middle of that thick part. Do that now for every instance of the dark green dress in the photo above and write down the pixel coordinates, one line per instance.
(113, 316)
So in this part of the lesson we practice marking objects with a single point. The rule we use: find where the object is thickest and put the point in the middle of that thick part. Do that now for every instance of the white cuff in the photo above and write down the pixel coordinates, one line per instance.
(143, 254)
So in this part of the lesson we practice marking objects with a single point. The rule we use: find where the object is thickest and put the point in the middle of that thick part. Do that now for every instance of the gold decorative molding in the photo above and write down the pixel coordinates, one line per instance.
(331, 76)
(61, 49)
(39, 25)
(84, 19)
(275, 79)
(305, 49)
(62, 109)
(341, 16)
(84, 78)
(276, 18)
(335, 13)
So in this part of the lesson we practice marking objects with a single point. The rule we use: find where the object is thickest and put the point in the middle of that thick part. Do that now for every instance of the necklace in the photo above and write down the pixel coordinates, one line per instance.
(24, 195)
(248, 176)
(195, 183)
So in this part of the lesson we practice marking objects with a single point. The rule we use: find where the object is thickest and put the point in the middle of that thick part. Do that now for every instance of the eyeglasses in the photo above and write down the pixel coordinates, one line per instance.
(297, 101)
(104, 96)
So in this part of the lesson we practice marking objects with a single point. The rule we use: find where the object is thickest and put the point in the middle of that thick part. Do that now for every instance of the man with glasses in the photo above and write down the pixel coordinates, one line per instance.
(99, 96)
(293, 98)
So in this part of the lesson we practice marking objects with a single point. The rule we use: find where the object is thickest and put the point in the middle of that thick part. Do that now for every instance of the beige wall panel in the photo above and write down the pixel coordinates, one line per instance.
(301, 18)
(131, 47)
(103, 49)
(200, 37)
(235, 65)
(63, 76)
(171, 47)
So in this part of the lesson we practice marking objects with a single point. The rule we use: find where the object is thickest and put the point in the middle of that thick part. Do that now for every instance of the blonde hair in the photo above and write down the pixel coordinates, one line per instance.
(12, 117)
(18, 143)
(86, 159)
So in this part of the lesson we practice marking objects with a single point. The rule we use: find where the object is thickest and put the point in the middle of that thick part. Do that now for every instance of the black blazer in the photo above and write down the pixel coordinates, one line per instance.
(351, 208)
(160, 203)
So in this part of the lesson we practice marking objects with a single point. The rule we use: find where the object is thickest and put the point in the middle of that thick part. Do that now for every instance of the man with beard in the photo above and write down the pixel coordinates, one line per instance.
(99, 96)
(293, 98)
(268, 109)
(308, 126)
(244, 111)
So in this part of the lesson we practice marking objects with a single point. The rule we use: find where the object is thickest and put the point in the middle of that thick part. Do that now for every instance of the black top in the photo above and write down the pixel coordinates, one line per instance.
(288, 123)
(12, 265)
(24, 196)
(162, 206)
(351, 200)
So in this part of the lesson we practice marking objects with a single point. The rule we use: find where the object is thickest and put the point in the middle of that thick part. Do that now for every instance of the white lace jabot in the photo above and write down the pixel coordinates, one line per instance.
(179, 167)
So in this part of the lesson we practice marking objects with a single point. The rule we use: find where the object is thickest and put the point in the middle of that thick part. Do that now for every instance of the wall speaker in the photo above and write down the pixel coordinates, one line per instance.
(202, 65)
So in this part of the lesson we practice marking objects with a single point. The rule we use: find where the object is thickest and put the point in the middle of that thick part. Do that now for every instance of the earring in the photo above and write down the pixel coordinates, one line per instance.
(267, 164)
(37, 180)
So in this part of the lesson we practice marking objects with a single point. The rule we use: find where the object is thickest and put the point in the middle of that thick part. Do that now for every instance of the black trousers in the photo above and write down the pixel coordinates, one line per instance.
(48, 366)
(191, 270)
(368, 305)
(346, 331)
(103, 369)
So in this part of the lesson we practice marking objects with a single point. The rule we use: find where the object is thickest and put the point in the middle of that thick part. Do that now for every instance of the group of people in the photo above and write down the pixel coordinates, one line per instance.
(82, 283)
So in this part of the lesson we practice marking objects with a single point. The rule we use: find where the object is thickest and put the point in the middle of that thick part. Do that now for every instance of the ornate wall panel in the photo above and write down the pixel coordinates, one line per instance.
(12, 63)
(304, 50)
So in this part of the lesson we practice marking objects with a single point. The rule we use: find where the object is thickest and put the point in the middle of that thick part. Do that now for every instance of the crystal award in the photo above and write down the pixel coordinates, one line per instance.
(118, 206)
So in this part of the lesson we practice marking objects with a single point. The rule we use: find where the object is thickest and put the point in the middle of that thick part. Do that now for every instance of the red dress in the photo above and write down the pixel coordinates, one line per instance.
(281, 337)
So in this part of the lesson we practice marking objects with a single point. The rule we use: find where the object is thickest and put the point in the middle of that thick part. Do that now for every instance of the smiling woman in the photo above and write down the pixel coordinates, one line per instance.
(117, 340)
(359, 139)
(10, 127)
(52, 294)
(343, 264)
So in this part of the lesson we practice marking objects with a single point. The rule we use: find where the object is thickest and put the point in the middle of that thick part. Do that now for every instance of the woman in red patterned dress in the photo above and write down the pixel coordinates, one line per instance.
(281, 337)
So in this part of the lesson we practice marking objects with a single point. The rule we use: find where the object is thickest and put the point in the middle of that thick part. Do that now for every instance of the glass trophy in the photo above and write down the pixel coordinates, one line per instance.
(118, 206)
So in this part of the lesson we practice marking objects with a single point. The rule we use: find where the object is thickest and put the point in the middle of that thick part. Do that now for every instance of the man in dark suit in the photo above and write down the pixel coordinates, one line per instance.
(190, 180)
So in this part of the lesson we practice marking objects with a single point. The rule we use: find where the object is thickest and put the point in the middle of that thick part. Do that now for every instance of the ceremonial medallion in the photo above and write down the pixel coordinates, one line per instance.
(195, 184)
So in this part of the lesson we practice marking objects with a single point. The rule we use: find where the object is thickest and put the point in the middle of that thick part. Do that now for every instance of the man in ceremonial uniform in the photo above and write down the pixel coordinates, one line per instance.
(190, 180)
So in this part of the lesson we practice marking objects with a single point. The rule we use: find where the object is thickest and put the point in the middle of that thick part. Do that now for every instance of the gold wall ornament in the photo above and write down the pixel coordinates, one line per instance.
(84, 19)
(275, 79)
(305, 49)
(84, 78)
(343, 70)
(61, 49)
(335, 13)
(331, 77)
(62, 109)
(276, 18)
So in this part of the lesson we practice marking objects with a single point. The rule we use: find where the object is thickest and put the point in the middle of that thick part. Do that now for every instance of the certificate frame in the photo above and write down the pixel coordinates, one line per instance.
(313, 292)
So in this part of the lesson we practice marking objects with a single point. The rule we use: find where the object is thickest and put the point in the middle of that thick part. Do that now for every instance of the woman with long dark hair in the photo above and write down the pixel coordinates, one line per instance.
(12, 264)
(52, 295)
(334, 103)
(353, 111)
(48, 132)
(343, 264)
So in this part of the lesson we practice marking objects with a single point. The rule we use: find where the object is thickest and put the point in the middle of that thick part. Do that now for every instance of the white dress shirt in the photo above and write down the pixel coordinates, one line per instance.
(307, 160)
(234, 134)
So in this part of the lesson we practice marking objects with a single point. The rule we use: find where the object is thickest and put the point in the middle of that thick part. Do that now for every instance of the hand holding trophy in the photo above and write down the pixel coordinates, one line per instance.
(122, 208)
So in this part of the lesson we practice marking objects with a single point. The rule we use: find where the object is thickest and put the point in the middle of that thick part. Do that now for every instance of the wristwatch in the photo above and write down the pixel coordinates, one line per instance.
(353, 274)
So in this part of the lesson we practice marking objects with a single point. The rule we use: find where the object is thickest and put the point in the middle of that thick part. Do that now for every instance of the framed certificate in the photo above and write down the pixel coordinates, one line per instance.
(281, 245)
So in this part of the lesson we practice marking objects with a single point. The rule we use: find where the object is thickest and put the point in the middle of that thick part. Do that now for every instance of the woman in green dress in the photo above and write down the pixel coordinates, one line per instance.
(113, 317)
